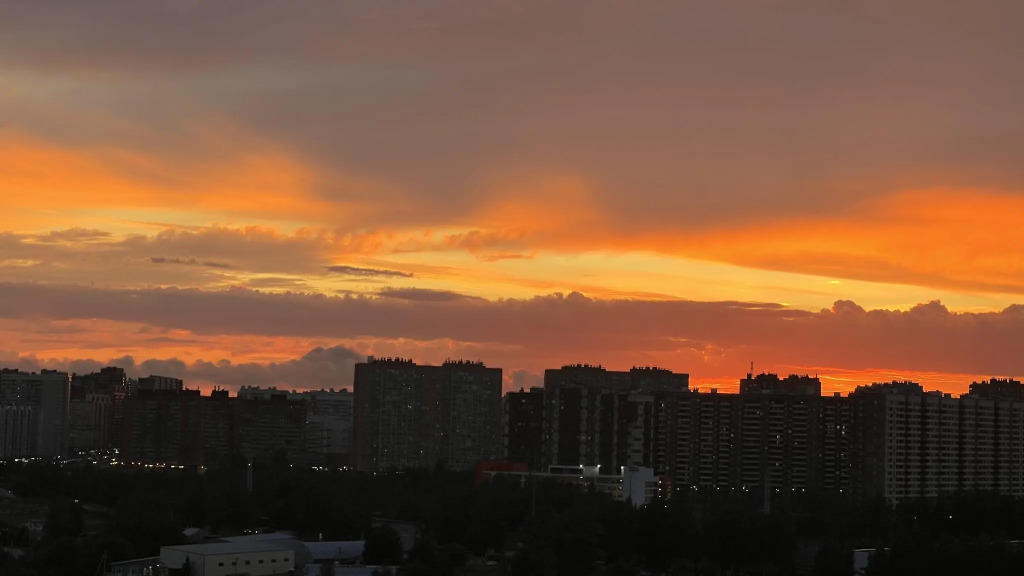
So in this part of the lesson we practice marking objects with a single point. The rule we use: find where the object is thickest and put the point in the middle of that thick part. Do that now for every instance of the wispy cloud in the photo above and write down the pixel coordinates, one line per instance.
(367, 272)
(188, 262)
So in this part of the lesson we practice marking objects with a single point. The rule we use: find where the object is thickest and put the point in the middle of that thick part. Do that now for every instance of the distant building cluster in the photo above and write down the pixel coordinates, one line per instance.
(156, 420)
(775, 435)
(605, 428)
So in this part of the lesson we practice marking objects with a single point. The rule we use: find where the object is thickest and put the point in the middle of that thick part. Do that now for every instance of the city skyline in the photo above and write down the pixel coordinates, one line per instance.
(829, 189)
(142, 375)
(776, 433)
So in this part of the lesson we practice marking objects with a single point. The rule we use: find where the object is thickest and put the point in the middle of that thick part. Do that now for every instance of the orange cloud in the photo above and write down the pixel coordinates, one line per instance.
(708, 339)
(58, 183)
(960, 239)
(953, 239)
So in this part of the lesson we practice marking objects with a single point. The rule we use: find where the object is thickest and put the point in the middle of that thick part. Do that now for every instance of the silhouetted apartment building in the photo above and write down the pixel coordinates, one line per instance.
(183, 427)
(163, 383)
(33, 413)
(697, 440)
(780, 432)
(328, 419)
(98, 406)
(598, 417)
(412, 416)
(992, 437)
(90, 421)
(163, 426)
(907, 443)
(835, 443)
(394, 412)
(469, 410)
(524, 426)
(769, 436)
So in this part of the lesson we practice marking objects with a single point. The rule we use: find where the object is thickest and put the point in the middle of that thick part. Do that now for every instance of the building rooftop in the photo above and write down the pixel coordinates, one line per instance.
(340, 550)
(219, 548)
(148, 561)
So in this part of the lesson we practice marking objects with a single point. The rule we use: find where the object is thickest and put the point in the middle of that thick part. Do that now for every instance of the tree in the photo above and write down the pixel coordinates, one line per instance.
(64, 519)
(383, 547)
(833, 560)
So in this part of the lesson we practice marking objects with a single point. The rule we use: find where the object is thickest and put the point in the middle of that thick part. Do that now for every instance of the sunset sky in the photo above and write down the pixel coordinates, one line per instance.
(266, 192)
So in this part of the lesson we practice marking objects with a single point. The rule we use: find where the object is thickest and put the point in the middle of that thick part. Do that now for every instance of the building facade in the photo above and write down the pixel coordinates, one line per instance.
(422, 416)
(524, 426)
(106, 391)
(35, 411)
(780, 433)
(908, 443)
(184, 427)
(594, 416)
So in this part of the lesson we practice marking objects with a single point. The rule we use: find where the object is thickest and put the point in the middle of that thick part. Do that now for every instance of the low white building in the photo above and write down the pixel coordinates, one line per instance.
(634, 484)
(137, 567)
(225, 558)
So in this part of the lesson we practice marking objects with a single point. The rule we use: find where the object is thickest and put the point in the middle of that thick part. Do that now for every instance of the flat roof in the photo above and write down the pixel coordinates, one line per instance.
(263, 537)
(219, 548)
(342, 549)
(143, 561)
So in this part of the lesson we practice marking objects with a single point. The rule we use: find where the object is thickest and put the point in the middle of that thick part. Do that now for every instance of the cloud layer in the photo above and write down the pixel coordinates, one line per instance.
(242, 182)
(712, 339)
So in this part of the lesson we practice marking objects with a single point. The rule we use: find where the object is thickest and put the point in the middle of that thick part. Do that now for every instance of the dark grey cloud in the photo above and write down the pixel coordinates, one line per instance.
(548, 330)
(368, 272)
(674, 112)
(524, 379)
(188, 262)
(321, 367)
(423, 294)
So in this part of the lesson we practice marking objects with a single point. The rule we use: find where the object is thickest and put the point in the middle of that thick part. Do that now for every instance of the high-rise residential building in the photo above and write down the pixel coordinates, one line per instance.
(905, 442)
(835, 443)
(524, 426)
(267, 429)
(17, 430)
(392, 413)
(329, 416)
(780, 432)
(992, 437)
(90, 421)
(99, 395)
(220, 429)
(165, 383)
(676, 439)
(410, 416)
(163, 426)
(598, 417)
(468, 421)
(183, 427)
(328, 419)
(716, 430)
(35, 413)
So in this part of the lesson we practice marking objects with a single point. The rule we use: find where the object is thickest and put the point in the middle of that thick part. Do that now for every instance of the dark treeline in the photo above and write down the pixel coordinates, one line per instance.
(546, 529)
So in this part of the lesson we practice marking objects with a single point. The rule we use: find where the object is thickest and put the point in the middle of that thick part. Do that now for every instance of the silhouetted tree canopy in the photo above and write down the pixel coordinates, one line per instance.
(499, 527)
(383, 547)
